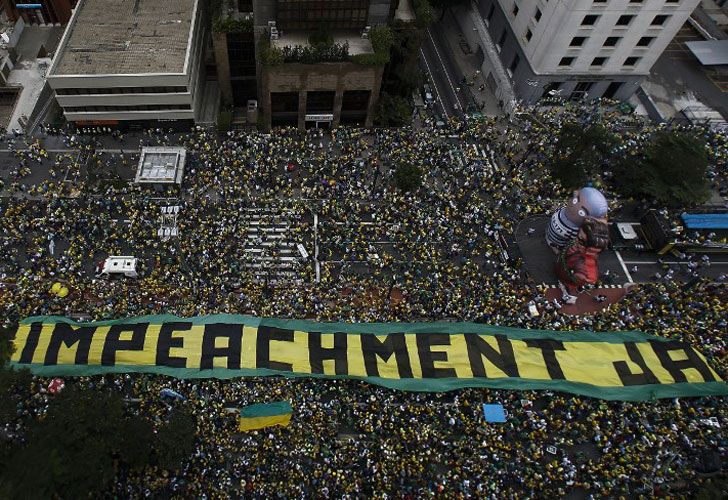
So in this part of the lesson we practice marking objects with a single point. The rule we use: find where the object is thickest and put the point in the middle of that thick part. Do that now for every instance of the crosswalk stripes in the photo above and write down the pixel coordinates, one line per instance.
(273, 255)
(486, 156)
(546, 286)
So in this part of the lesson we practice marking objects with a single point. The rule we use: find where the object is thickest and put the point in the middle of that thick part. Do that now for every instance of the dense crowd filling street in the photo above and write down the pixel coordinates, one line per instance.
(376, 255)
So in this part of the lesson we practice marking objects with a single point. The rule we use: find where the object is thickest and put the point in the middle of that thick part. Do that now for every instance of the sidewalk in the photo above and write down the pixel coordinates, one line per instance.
(469, 63)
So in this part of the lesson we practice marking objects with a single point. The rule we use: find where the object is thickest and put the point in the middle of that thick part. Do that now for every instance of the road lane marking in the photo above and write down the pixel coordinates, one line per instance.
(624, 267)
(447, 75)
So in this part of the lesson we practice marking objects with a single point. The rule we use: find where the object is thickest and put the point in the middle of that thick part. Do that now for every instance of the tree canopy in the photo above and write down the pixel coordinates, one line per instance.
(671, 171)
(393, 111)
(581, 153)
(86, 436)
(408, 177)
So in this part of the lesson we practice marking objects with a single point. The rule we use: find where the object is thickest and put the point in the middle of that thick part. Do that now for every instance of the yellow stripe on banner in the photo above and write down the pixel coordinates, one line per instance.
(253, 423)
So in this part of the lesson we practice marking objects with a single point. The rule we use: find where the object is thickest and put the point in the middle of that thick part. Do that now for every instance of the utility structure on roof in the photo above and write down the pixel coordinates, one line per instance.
(131, 61)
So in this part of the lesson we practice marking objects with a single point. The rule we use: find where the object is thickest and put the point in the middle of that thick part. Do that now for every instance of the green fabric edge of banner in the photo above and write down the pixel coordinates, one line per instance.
(628, 393)
(372, 328)
(266, 409)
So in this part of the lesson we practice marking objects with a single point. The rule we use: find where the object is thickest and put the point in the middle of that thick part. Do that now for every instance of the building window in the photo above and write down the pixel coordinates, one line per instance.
(551, 87)
(583, 86)
(529, 35)
(672, 1)
(310, 14)
(589, 20)
(514, 63)
(612, 89)
(515, 10)
(600, 1)
(320, 101)
(659, 20)
(354, 105)
(635, 1)
(284, 102)
(645, 41)
(566, 61)
(599, 61)
(625, 20)
(632, 61)
(612, 41)
(577, 41)
(537, 16)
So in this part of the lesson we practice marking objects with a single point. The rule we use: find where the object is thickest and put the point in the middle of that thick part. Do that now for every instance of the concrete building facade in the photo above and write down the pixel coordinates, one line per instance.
(320, 95)
(131, 61)
(581, 48)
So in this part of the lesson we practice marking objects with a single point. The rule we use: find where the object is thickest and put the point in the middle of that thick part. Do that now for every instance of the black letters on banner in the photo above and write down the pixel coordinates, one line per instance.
(425, 341)
(31, 343)
(675, 368)
(262, 354)
(317, 354)
(166, 341)
(548, 348)
(478, 348)
(234, 334)
(629, 378)
(63, 333)
(395, 344)
(114, 343)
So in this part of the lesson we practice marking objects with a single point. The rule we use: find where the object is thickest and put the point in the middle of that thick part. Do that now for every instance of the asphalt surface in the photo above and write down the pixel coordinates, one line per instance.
(442, 71)
(621, 266)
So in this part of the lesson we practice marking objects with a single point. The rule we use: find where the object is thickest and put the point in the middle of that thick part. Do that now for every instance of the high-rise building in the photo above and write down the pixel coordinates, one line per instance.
(131, 61)
(39, 11)
(581, 48)
(267, 50)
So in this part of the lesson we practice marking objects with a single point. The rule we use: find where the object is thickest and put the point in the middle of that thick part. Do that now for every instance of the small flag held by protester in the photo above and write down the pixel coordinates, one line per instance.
(265, 415)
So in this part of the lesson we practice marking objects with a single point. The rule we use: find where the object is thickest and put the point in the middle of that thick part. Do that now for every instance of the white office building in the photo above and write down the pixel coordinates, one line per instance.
(581, 48)
(131, 61)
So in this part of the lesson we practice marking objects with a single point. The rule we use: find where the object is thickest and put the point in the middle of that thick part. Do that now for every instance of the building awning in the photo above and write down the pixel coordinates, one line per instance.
(711, 52)
(706, 221)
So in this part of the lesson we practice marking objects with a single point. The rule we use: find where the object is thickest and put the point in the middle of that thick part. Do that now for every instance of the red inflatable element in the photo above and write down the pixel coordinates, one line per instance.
(577, 264)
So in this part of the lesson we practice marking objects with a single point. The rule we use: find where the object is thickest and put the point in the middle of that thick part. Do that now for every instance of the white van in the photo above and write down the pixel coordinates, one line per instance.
(118, 265)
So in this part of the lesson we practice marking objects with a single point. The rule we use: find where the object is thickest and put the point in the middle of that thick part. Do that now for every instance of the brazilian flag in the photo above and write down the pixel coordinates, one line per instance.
(265, 415)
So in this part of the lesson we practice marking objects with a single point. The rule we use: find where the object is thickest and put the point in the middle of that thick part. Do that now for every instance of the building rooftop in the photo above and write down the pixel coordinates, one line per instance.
(357, 44)
(710, 52)
(161, 165)
(126, 37)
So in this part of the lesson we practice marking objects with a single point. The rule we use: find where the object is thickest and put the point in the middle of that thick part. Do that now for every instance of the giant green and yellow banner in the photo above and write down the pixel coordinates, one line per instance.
(407, 356)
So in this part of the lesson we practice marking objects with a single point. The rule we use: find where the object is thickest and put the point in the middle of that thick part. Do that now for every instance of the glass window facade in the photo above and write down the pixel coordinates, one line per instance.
(310, 14)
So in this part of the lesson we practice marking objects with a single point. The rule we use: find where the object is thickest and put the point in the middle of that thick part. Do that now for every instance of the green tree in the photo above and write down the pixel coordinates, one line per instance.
(137, 437)
(408, 177)
(672, 170)
(393, 111)
(402, 76)
(6, 346)
(176, 440)
(71, 453)
(580, 153)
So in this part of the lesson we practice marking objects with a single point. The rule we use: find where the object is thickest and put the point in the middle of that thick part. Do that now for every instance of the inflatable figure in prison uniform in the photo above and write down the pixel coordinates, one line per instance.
(566, 222)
